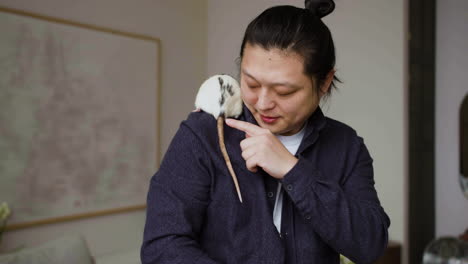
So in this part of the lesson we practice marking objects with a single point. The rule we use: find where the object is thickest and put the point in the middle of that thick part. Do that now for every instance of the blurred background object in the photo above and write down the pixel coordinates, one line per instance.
(446, 250)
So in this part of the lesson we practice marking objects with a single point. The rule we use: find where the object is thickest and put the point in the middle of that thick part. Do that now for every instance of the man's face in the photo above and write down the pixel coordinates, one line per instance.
(276, 90)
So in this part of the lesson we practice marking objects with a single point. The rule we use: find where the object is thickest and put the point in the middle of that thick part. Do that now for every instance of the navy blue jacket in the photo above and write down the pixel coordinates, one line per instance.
(330, 204)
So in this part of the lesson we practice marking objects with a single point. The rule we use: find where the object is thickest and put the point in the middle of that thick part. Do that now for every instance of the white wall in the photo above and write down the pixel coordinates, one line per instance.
(451, 87)
(370, 42)
(370, 38)
(181, 27)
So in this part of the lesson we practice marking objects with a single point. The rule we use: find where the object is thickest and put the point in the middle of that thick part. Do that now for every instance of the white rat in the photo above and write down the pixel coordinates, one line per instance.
(220, 96)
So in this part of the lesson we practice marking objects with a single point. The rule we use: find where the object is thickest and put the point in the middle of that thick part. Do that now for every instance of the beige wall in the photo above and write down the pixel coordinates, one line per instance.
(370, 41)
(181, 26)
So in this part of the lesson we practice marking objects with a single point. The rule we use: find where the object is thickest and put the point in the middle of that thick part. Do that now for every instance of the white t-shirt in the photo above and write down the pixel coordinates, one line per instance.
(292, 144)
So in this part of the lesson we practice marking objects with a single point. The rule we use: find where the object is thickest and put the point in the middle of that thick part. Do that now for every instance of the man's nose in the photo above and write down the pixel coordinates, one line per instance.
(265, 100)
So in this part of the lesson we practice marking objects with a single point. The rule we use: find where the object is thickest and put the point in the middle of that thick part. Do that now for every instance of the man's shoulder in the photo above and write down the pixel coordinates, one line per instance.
(201, 124)
(339, 127)
(341, 132)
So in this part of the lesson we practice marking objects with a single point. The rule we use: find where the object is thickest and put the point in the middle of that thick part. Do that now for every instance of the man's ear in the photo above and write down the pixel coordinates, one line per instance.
(327, 83)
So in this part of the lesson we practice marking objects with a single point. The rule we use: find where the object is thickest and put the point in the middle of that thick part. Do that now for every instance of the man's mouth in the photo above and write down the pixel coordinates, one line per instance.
(268, 119)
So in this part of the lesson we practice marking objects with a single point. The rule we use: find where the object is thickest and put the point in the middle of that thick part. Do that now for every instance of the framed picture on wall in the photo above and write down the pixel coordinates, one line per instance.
(79, 118)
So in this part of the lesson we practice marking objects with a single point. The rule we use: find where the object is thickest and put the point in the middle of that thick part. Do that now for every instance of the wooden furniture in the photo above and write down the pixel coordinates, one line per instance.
(392, 254)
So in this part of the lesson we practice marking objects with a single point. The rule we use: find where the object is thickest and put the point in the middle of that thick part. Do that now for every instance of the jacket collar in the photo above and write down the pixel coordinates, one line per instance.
(315, 124)
(248, 115)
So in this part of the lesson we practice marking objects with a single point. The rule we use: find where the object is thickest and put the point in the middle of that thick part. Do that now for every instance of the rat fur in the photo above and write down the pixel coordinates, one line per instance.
(220, 96)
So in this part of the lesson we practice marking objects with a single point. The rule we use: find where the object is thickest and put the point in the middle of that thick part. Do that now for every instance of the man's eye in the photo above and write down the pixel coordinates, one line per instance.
(286, 94)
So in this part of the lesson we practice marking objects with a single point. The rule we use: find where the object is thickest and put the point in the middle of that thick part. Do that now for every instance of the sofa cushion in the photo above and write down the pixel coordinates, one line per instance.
(125, 257)
(68, 249)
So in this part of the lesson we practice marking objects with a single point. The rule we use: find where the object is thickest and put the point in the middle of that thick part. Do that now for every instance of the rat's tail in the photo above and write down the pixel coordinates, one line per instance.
(225, 154)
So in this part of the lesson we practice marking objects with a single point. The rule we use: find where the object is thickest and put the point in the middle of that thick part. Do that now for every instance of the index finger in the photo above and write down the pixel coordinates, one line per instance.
(247, 127)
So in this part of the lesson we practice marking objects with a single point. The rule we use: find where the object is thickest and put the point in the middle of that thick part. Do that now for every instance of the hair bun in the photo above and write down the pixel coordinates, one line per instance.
(320, 8)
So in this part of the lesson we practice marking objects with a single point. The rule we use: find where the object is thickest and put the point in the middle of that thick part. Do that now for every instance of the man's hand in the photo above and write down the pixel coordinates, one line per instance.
(261, 148)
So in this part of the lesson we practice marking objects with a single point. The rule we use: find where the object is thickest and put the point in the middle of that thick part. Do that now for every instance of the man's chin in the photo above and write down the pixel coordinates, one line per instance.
(274, 129)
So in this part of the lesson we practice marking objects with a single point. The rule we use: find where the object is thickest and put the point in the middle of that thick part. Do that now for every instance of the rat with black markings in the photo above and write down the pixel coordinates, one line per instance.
(220, 96)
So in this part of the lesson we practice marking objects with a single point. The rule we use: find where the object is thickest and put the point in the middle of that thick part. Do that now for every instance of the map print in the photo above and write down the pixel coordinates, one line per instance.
(78, 118)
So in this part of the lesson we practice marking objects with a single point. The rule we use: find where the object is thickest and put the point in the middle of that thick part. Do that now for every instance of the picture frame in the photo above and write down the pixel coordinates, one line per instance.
(79, 118)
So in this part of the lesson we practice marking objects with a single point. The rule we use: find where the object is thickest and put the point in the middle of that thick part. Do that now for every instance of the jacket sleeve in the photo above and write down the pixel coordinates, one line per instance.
(177, 199)
(347, 214)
